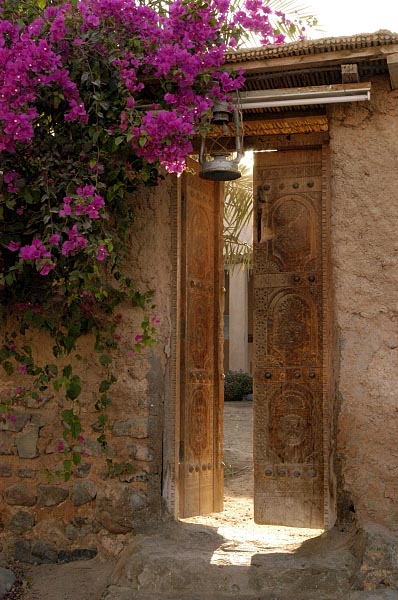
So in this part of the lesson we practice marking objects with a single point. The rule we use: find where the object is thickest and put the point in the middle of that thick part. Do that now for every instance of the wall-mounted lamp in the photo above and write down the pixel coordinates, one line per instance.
(215, 158)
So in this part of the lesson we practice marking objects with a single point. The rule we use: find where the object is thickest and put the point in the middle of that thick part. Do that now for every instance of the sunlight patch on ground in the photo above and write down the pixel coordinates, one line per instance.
(243, 540)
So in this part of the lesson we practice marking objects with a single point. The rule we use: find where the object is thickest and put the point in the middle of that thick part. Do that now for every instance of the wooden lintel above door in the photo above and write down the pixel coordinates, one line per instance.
(283, 132)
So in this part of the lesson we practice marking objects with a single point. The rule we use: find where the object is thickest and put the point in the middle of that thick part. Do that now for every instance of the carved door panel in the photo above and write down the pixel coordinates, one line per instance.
(289, 277)
(201, 475)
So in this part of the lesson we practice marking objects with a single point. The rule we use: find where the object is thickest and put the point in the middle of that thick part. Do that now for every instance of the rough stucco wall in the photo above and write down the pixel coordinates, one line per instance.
(45, 522)
(364, 155)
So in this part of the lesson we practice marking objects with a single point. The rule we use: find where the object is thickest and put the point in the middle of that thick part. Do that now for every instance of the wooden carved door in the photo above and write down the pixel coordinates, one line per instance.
(289, 321)
(201, 389)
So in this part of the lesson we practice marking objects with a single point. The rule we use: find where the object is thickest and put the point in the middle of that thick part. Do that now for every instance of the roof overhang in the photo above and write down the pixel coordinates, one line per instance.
(325, 94)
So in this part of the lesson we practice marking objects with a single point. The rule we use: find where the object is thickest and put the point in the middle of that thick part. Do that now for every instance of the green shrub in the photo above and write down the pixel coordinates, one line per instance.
(236, 385)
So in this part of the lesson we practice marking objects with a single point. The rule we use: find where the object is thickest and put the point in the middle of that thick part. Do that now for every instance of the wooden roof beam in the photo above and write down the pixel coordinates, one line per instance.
(313, 61)
(349, 73)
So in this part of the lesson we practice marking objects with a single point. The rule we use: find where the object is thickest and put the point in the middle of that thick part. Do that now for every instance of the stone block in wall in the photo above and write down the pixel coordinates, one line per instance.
(67, 556)
(117, 510)
(17, 424)
(134, 477)
(21, 522)
(141, 453)
(83, 470)
(37, 403)
(7, 580)
(7, 443)
(83, 492)
(20, 495)
(5, 470)
(94, 448)
(40, 552)
(27, 442)
(41, 419)
(26, 473)
(140, 367)
(80, 527)
(51, 495)
(136, 428)
(37, 552)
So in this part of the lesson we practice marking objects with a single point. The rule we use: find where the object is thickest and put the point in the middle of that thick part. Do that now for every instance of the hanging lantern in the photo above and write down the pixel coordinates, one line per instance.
(217, 160)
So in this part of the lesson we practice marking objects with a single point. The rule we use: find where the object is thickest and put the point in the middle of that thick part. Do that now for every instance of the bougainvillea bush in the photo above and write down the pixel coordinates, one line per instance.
(97, 98)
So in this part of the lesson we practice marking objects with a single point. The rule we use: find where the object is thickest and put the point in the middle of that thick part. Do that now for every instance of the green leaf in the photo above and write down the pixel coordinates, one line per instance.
(105, 359)
(57, 384)
(67, 415)
(67, 464)
(104, 386)
(8, 367)
(77, 458)
(73, 390)
(53, 369)
(67, 371)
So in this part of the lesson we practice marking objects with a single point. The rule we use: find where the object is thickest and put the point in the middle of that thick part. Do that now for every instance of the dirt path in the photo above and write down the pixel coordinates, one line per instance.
(239, 483)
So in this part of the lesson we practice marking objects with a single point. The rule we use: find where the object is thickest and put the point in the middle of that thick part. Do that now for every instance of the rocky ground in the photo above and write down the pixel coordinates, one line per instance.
(226, 556)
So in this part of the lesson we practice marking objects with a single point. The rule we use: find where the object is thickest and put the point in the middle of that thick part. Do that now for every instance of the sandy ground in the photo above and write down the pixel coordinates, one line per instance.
(88, 580)
(239, 483)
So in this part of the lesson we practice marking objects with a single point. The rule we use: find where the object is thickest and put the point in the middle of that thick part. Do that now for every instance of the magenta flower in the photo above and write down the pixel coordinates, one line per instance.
(74, 243)
(138, 338)
(46, 269)
(102, 253)
(23, 369)
(54, 239)
(60, 446)
(14, 246)
(35, 251)
(12, 418)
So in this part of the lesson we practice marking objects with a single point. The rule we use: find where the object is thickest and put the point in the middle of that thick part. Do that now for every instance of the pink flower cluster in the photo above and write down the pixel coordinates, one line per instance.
(182, 50)
(30, 62)
(87, 202)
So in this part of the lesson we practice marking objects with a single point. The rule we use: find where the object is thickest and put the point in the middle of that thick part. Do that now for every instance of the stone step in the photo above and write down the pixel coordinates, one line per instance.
(191, 562)
(118, 593)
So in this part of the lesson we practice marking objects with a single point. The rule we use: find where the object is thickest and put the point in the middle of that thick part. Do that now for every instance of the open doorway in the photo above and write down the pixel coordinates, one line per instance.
(238, 345)
(236, 521)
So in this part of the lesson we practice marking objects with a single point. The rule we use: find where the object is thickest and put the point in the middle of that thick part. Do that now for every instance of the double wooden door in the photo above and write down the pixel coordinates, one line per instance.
(291, 359)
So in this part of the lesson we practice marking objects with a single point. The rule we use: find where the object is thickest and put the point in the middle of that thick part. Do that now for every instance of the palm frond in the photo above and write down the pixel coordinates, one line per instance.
(238, 211)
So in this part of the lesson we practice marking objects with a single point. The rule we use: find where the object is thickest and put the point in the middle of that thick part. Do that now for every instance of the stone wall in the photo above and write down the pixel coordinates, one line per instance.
(45, 520)
(364, 167)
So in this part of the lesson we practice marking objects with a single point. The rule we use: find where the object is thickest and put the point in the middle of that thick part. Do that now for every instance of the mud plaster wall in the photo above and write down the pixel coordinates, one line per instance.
(42, 521)
(364, 167)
